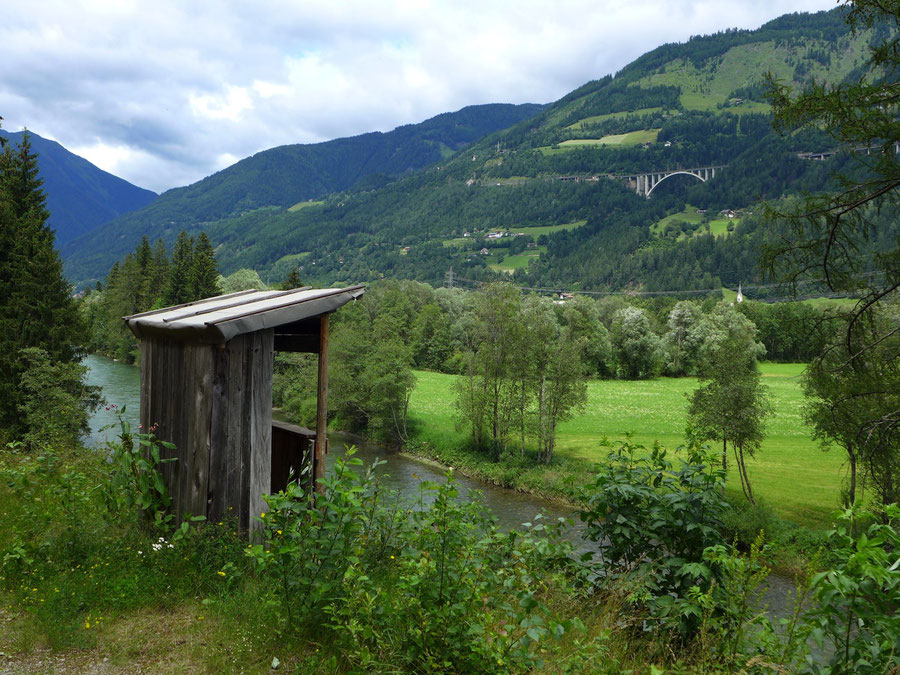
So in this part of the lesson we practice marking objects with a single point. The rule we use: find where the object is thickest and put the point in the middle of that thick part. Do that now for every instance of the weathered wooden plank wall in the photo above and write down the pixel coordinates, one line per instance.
(214, 402)
(261, 352)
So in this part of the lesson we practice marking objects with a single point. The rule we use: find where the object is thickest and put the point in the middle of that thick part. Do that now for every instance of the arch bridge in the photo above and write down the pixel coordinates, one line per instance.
(645, 183)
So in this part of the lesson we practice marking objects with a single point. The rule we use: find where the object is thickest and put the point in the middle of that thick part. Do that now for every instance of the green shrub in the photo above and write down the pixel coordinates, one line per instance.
(857, 600)
(429, 586)
(653, 522)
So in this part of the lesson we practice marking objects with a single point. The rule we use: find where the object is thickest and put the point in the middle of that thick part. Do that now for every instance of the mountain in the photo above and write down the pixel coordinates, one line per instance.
(561, 183)
(289, 175)
(79, 195)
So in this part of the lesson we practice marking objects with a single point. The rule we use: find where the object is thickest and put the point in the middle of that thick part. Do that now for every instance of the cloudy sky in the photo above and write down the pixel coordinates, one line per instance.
(163, 93)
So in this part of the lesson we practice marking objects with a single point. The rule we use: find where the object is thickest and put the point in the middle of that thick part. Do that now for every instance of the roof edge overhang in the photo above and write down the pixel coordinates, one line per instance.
(218, 320)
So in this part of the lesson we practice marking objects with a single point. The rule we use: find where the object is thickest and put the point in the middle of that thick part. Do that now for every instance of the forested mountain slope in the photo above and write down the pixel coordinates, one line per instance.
(282, 177)
(549, 199)
(79, 195)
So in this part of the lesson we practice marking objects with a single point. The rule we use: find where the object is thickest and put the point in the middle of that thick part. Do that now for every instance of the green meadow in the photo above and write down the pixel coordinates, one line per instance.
(709, 87)
(535, 231)
(512, 263)
(631, 138)
(790, 473)
(302, 205)
(596, 119)
(717, 226)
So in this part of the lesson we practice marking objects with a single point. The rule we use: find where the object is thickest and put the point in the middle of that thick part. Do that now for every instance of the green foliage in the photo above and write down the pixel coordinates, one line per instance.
(55, 402)
(652, 521)
(523, 373)
(204, 275)
(38, 310)
(853, 396)
(637, 349)
(731, 404)
(855, 613)
(179, 286)
(145, 279)
(834, 239)
(371, 378)
(135, 481)
(430, 585)
(241, 280)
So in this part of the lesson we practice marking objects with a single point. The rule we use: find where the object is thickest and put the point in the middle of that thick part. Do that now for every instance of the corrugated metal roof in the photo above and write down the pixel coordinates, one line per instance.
(217, 320)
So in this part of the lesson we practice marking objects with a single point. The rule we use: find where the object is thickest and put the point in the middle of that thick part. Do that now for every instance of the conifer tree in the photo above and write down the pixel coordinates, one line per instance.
(204, 271)
(159, 271)
(178, 285)
(37, 305)
(292, 280)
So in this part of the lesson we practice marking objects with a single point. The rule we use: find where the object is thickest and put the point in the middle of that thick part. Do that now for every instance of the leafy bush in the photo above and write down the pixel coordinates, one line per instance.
(855, 613)
(653, 522)
(135, 480)
(427, 586)
(54, 401)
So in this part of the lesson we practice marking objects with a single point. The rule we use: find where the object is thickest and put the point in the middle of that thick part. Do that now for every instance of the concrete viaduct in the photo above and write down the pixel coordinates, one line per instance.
(645, 183)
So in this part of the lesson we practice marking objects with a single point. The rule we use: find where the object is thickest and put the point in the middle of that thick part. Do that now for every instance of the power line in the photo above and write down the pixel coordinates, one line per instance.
(701, 291)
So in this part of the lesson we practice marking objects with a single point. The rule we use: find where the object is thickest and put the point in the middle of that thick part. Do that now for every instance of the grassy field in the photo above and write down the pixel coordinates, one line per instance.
(303, 205)
(717, 226)
(596, 119)
(631, 138)
(292, 257)
(512, 263)
(535, 232)
(790, 473)
(709, 87)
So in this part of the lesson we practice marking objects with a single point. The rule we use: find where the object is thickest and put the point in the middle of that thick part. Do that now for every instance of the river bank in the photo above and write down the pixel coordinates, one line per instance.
(515, 489)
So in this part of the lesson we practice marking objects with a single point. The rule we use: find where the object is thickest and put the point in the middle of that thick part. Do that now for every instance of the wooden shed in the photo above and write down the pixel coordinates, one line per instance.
(206, 383)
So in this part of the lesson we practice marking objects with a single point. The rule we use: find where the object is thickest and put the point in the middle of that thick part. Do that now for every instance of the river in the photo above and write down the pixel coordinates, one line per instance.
(121, 388)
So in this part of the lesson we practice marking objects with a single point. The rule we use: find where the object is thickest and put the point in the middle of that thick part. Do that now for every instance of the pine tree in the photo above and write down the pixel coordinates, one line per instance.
(204, 271)
(292, 280)
(178, 284)
(36, 300)
(159, 271)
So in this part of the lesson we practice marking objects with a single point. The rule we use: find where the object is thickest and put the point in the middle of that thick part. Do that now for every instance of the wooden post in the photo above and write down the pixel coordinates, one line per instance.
(321, 406)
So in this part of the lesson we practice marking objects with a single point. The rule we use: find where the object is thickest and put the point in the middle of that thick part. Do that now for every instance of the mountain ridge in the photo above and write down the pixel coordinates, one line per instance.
(698, 103)
(80, 195)
(289, 174)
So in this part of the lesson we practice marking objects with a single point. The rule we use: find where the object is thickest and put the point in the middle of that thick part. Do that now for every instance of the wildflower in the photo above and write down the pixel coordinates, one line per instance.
(221, 573)
(392, 557)
(262, 515)
(279, 531)
(87, 624)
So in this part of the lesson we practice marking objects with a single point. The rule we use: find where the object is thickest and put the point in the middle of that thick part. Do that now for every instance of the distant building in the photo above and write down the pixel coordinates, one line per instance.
(484, 251)
(531, 244)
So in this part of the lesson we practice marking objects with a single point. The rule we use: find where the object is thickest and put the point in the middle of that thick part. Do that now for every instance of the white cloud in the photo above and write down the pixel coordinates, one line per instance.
(168, 91)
